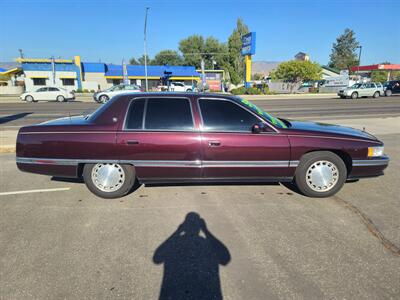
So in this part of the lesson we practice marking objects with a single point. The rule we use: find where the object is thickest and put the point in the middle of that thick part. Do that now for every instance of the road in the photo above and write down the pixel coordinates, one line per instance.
(58, 241)
(14, 115)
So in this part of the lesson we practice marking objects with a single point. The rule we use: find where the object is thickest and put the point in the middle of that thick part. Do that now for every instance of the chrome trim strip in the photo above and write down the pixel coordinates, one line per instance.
(384, 161)
(294, 163)
(331, 137)
(161, 163)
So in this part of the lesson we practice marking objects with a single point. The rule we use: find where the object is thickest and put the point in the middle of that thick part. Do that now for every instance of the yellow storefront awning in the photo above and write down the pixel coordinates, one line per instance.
(39, 76)
(68, 77)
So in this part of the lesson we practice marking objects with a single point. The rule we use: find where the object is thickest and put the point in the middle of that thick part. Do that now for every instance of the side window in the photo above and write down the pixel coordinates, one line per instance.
(134, 118)
(52, 89)
(220, 115)
(42, 90)
(168, 114)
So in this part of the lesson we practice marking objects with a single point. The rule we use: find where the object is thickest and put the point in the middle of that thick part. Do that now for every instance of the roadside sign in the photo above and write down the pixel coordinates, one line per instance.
(249, 43)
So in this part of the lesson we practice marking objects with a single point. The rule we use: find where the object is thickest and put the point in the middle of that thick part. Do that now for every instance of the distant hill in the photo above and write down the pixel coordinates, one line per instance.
(264, 67)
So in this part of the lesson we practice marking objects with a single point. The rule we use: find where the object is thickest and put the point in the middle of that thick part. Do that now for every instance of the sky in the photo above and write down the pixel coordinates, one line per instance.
(109, 31)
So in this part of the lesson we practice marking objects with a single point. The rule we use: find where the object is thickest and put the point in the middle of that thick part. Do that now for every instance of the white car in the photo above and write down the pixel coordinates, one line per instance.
(48, 94)
(176, 87)
(104, 96)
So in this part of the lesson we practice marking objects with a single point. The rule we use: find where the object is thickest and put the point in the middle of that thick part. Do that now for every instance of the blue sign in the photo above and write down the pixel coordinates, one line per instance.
(249, 43)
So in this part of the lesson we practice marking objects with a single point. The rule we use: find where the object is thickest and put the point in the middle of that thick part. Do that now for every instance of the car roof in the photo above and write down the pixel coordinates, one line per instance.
(184, 94)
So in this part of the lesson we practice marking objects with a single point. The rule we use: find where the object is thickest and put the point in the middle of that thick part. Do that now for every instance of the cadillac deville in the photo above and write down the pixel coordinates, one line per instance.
(189, 137)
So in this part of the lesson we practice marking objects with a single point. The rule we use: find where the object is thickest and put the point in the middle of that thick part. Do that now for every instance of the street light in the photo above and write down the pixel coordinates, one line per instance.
(145, 49)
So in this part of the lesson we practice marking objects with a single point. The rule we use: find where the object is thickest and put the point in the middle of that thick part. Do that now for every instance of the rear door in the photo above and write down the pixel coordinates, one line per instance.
(230, 149)
(159, 138)
(53, 93)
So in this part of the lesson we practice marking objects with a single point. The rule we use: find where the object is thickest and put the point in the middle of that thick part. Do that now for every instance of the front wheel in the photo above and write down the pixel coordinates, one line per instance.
(320, 174)
(103, 98)
(354, 95)
(109, 180)
(29, 98)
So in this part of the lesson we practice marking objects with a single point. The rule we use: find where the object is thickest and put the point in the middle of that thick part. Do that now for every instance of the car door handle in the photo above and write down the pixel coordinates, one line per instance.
(214, 143)
(132, 142)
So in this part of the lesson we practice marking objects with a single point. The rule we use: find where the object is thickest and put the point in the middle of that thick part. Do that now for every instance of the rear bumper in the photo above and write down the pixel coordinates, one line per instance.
(365, 168)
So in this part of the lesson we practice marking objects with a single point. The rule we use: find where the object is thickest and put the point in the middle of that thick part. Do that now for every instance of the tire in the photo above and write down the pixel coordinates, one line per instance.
(376, 95)
(103, 99)
(188, 90)
(354, 95)
(388, 93)
(29, 98)
(343, 97)
(313, 183)
(119, 185)
(60, 98)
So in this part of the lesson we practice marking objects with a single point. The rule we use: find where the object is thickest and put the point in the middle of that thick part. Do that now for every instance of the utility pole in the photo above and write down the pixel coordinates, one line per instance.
(359, 61)
(145, 49)
(21, 53)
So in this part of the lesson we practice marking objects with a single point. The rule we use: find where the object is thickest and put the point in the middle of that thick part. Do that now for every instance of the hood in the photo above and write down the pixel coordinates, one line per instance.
(330, 128)
(75, 120)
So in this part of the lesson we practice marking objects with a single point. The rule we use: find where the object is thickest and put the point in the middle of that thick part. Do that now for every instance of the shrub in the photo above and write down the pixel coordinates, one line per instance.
(239, 91)
(253, 91)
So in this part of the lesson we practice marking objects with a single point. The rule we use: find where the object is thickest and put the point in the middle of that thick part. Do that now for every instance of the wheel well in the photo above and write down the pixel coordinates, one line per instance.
(342, 154)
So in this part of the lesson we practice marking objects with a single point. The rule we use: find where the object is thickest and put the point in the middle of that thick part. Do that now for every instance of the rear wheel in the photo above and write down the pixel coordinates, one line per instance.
(29, 98)
(60, 98)
(354, 95)
(376, 95)
(388, 93)
(320, 174)
(109, 180)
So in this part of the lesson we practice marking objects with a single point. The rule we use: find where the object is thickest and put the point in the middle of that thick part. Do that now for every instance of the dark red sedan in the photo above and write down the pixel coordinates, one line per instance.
(190, 137)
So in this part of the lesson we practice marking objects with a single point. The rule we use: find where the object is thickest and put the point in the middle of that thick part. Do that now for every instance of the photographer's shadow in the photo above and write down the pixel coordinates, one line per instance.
(191, 261)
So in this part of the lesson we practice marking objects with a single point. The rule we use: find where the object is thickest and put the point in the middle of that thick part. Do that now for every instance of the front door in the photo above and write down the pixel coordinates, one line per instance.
(232, 151)
(160, 140)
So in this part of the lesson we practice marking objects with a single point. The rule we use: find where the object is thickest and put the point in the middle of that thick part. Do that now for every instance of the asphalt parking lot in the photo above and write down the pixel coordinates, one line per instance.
(268, 241)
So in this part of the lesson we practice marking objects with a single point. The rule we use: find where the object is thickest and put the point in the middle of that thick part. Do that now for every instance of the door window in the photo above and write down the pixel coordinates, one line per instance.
(52, 89)
(134, 118)
(221, 115)
(168, 114)
(42, 90)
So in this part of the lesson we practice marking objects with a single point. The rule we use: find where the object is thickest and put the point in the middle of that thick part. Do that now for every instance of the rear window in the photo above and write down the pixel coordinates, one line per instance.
(134, 118)
(168, 114)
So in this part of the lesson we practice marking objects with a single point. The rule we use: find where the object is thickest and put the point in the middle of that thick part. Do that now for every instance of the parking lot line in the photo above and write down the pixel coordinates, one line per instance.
(34, 191)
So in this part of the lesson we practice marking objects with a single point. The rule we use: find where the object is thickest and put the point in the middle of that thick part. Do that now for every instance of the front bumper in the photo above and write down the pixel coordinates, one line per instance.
(372, 167)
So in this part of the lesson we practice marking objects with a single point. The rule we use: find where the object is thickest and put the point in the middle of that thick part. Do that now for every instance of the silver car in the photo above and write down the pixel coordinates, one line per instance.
(369, 89)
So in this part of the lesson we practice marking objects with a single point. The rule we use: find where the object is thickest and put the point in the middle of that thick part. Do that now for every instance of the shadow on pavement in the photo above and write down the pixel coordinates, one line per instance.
(191, 257)
(10, 118)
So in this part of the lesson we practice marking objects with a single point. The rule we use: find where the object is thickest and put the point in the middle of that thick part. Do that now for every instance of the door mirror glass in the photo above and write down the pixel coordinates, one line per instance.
(259, 128)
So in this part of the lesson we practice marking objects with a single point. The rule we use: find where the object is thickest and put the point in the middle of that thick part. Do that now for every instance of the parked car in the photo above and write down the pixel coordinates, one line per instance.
(176, 138)
(358, 90)
(104, 96)
(391, 87)
(176, 87)
(48, 94)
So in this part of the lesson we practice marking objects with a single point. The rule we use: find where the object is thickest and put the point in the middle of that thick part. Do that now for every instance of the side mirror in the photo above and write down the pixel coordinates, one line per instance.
(258, 128)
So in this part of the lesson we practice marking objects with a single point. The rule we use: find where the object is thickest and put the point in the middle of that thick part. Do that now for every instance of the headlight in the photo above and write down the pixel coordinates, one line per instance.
(375, 151)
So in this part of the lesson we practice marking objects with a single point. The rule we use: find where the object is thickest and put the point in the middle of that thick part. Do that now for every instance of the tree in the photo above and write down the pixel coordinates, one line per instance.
(192, 49)
(167, 57)
(344, 54)
(258, 76)
(236, 60)
(379, 76)
(133, 61)
(296, 71)
(141, 60)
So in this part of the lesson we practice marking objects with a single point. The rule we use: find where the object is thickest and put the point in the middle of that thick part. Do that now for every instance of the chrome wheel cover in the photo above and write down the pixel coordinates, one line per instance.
(103, 99)
(322, 176)
(108, 177)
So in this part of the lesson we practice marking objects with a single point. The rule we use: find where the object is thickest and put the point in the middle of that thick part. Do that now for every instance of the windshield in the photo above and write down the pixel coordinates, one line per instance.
(356, 86)
(275, 121)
